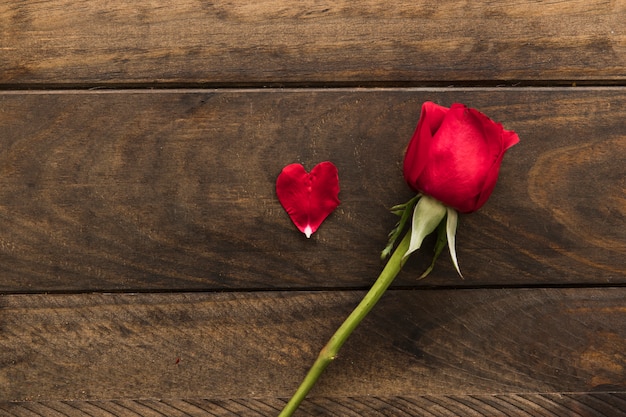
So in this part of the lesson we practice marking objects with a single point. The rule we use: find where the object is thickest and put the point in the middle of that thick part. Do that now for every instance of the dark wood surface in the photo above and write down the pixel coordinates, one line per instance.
(258, 345)
(147, 268)
(59, 42)
(174, 190)
(495, 405)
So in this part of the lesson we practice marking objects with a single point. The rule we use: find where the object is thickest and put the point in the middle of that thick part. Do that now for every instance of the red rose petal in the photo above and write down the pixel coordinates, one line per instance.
(308, 198)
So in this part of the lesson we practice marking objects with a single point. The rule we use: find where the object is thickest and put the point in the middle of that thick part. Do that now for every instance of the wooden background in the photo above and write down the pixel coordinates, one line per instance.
(147, 268)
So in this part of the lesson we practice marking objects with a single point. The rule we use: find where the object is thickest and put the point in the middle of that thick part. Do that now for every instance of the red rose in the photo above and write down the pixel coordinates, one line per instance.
(455, 154)
(452, 161)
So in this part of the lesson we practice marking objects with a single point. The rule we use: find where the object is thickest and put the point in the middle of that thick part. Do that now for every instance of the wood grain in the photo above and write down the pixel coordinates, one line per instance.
(78, 43)
(174, 190)
(147, 268)
(93, 347)
(499, 405)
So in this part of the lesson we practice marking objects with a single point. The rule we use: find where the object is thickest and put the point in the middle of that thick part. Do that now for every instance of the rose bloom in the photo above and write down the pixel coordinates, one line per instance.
(455, 154)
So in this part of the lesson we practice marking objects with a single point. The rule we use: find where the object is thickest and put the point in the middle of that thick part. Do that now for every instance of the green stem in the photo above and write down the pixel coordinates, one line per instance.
(329, 352)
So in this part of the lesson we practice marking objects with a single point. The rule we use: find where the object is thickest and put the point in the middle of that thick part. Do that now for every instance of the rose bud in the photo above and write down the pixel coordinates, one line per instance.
(455, 154)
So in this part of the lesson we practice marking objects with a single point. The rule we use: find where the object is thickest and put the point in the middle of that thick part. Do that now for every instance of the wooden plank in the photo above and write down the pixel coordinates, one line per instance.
(116, 42)
(501, 405)
(174, 190)
(222, 346)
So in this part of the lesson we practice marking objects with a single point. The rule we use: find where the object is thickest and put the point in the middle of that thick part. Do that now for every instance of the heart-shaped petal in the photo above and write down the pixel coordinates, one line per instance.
(308, 198)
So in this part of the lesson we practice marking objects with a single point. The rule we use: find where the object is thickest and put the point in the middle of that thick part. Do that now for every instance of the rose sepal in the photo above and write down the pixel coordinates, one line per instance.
(427, 215)
(446, 233)
(452, 218)
(439, 245)
(404, 211)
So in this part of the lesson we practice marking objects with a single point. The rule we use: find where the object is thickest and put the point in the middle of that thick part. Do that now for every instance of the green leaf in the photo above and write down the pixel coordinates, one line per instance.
(427, 215)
